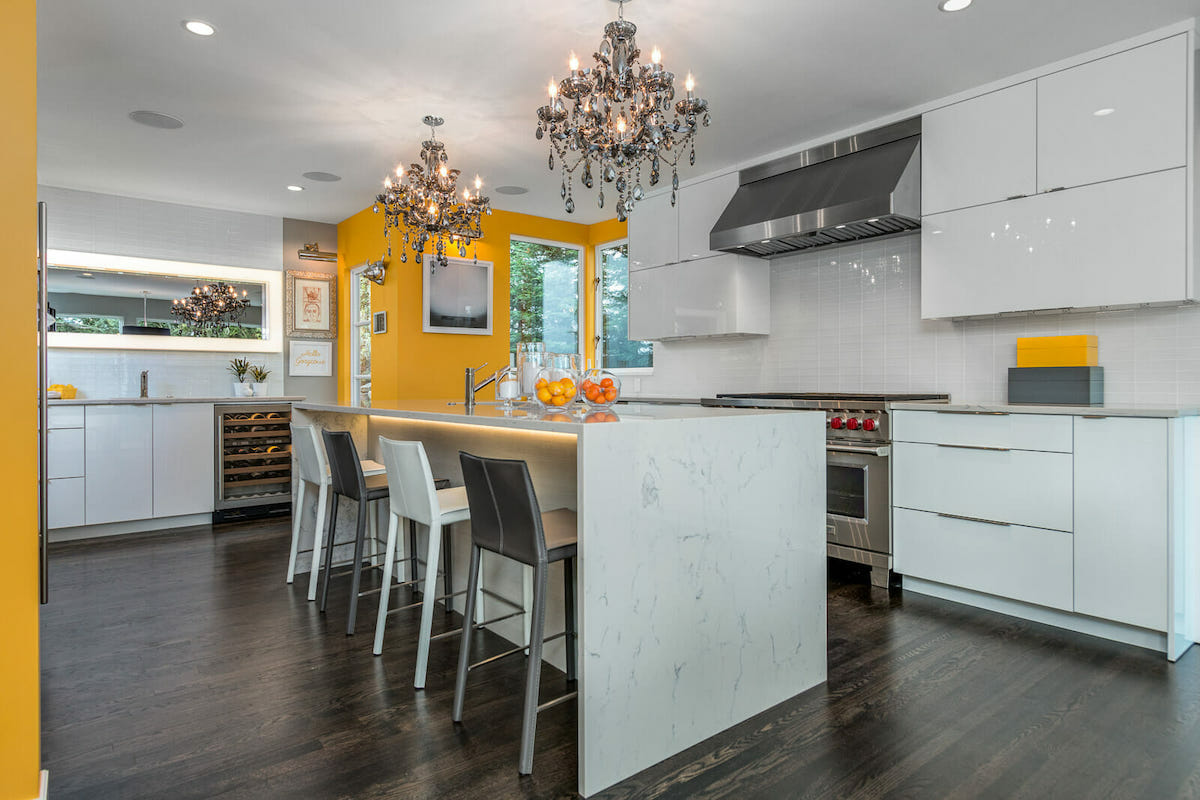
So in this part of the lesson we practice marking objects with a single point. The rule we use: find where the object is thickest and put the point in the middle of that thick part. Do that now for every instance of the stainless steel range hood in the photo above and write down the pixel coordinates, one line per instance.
(855, 188)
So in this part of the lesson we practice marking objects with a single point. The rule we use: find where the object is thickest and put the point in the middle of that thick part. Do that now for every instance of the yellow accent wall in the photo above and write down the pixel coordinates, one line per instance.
(408, 364)
(19, 715)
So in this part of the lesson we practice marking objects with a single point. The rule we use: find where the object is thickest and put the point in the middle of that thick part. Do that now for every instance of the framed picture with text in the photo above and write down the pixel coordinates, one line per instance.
(457, 298)
(310, 305)
(310, 359)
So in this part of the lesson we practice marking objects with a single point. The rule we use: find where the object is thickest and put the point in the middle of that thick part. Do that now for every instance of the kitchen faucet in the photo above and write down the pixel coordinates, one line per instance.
(145, 383)
(470, 387)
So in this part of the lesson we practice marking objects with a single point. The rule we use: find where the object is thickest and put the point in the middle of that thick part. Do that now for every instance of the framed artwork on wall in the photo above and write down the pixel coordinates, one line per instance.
(310, 359)
(310, 304)
(457, 298)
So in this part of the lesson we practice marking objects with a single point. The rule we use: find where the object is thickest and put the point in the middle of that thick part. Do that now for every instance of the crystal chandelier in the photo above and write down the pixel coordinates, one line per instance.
(209, 307)
(426, 205)
(617, 118)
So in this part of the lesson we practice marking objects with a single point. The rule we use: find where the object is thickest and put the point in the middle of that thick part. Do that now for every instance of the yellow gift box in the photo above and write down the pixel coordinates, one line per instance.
(1058, 351)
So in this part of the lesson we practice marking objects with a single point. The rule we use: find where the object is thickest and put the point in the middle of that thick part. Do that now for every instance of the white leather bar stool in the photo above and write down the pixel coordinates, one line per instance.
(313, 472)
(414, 496)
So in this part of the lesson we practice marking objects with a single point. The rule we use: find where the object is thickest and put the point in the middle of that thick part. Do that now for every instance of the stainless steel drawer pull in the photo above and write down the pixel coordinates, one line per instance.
(1094, 416)
(976, 447)
(870, 451)
(974, 413)
(975, 519)
(1015, 196)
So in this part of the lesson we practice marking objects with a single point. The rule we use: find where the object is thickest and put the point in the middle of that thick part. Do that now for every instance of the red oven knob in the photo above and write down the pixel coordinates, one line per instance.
(836, 423)
(852, 424)
(869, 425)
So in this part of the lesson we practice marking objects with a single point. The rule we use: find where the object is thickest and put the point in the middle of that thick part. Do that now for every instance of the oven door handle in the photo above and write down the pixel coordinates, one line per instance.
(882, 450)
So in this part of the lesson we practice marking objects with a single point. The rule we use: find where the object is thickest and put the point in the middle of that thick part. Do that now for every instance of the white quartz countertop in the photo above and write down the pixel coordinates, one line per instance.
(530, 419)
(1005, 408)
(133, 401)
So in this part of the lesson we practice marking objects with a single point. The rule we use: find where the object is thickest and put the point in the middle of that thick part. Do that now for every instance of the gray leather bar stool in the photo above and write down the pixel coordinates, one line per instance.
(506, 519)
(346, 474)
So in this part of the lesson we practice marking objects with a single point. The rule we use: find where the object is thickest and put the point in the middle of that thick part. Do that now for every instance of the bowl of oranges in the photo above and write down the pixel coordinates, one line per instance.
(600, 388)
(555, 388)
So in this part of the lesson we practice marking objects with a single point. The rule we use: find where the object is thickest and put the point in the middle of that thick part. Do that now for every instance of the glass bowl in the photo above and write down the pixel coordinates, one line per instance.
(600, 388)
(556, 386)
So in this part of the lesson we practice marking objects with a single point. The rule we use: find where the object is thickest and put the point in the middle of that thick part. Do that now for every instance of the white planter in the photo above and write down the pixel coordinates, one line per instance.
(242, 389)
(260, 389)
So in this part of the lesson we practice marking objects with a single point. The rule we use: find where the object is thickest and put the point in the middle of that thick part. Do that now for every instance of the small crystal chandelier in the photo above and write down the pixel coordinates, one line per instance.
(210, 306)
(618, 118)
(426, 205)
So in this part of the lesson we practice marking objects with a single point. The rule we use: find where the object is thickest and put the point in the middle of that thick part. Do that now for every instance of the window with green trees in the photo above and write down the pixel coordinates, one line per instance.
(544, 294)
(614, 348)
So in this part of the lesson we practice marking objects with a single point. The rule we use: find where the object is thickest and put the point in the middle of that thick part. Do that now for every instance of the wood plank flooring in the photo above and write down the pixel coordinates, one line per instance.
(181, 666)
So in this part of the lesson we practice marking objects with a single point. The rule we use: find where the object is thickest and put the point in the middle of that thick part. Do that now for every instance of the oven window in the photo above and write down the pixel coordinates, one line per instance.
(846, 491)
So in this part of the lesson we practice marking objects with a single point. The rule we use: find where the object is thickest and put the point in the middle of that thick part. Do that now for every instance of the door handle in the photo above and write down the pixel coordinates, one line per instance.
(976, 519)
(975, 447)
(846, 448)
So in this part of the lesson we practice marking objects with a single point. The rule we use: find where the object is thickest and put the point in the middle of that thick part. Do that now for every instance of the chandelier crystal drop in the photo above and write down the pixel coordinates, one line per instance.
(209, 307)
(425, 204)
(619, 119)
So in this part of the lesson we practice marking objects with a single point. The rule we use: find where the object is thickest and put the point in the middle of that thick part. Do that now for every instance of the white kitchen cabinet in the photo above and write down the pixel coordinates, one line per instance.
(1028, 564)
(118, 444)
(64, 417)
(724, 295)
(64, 453)
(1146, 89)
(183, 459)
(64, 502)
(980, 150)
(700, 205)
(996, 430)
(1021, 487)
(1069, 249)
(1121, 520)
(653, 232)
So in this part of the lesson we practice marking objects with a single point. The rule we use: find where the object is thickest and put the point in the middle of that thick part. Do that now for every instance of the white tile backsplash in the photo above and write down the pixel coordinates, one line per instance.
(117, 373)
(848, 319)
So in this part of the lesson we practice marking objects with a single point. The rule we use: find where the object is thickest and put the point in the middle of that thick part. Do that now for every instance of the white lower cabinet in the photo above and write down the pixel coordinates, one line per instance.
(64, 453)
(1028, 564)
(118, 463)
(1121, 520)
(183, 459)
(64, 502)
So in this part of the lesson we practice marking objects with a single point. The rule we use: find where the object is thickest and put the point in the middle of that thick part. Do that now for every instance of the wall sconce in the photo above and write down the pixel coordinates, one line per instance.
(312, 252)
(375, 271)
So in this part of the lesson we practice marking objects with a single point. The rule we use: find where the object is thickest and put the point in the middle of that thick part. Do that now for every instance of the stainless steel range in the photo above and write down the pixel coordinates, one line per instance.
(858, 468)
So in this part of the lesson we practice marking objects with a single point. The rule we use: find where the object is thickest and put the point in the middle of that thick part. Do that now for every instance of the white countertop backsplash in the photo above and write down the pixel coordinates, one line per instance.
(1098, 411)
(107, 374)
(136, 401)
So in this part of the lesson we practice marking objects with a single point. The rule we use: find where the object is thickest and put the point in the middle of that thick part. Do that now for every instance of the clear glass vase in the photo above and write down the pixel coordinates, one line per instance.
(600, 388)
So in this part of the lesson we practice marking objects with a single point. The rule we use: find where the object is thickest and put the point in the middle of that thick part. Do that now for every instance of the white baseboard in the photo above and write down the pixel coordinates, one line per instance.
(132, 526)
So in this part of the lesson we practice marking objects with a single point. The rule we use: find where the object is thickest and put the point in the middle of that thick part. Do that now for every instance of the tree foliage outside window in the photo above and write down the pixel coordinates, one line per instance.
(86, 323)
(544, 295)
(616, 350)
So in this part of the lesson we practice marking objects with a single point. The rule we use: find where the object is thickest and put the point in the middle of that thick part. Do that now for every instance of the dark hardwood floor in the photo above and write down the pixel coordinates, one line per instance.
(181, 666)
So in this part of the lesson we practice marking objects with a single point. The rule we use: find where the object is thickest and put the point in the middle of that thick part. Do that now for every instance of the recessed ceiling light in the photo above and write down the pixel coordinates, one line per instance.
(294, 188)
(953, 5)
(156, 120)
(324, 177)
(511, 190)
(87, 275)
(198, 27)
(1103, 112)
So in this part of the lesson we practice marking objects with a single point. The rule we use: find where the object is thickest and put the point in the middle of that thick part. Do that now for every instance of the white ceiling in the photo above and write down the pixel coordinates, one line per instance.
(291, 86)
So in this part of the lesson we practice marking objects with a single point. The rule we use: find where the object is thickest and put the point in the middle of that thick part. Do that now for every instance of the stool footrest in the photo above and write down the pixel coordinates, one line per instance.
(557, 700)
(503, 599)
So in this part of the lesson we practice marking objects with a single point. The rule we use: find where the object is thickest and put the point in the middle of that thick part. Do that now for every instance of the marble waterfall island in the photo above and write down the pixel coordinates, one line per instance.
(701, 566)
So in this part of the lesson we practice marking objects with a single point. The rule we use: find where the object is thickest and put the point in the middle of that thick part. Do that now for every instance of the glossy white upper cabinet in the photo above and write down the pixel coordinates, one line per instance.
(980, 150)
(1108, 244)
(653, 233)
(118, 463)
(700, 205)
(1123, 115)
(724, 295)
(1121, 522)
(183, 459)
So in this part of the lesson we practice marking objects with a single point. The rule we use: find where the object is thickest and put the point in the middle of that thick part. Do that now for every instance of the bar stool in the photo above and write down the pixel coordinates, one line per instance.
(347, 479)
(415, 497)
(505, 519)
(313, 470)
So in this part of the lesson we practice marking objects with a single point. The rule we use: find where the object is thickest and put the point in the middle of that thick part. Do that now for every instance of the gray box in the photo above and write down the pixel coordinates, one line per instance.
(1067, 386)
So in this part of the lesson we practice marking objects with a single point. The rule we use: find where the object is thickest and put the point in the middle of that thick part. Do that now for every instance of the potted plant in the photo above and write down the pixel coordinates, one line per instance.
(259, 386)
(239, 367)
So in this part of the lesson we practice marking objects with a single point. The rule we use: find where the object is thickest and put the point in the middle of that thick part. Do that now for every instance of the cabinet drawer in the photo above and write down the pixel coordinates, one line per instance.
(64, 453)
(64, 502)
(64, 417)
(1012, 431)
(1027, 564)
(1021, 487)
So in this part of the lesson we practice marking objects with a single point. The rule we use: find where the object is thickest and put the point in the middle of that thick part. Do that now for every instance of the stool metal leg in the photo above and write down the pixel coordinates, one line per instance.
(360, 536)
(430, 594)
(321, 525)
(333, 508)
(412, 552)
(533, 671)
(464, 648)
(447, 574)
(389, 557)
(297, 513)
(569, 608)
